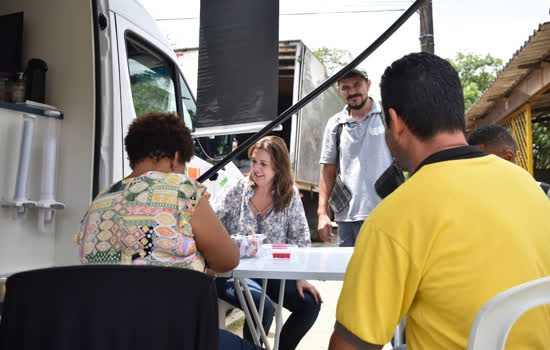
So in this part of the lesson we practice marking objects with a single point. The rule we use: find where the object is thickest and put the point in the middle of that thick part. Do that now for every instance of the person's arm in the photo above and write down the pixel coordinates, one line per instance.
(297, 229)
(228, 205)
(337, 342)
(329, 170)
(213, 241)
(304, 286)
(379, 263)
(223, 211)
(326, 184)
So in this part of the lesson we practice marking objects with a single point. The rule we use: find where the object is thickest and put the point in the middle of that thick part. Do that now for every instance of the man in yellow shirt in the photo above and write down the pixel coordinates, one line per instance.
(465, 226)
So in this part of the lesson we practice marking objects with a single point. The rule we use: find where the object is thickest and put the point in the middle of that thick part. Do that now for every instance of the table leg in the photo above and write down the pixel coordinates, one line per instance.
(249, 319)
(279, 321)
(262, 301)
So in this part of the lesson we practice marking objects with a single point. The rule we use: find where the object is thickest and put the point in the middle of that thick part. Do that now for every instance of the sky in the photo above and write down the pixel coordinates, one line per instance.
(498, 27)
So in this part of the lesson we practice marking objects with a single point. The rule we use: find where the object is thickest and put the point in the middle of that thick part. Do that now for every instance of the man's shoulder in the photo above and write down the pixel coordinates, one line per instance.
(412, 190)
(332, 125)
(376, 106)
(339, 117)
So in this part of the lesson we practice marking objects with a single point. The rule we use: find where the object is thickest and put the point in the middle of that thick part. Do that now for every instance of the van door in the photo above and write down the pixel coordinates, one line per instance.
(149, 79)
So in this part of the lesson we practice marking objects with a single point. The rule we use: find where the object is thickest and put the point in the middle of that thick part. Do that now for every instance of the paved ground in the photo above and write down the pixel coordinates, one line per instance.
(319, 335)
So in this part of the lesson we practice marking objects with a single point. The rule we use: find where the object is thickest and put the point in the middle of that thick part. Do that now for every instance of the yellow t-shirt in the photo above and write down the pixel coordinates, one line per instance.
(454, 235)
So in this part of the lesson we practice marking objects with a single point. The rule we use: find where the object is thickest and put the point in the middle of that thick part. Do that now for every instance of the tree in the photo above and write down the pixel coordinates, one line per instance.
(152, 92)
(476, 74)
(333, 59)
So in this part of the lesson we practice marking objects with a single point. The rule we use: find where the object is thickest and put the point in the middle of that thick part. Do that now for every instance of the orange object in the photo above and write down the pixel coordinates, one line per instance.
(193, 173)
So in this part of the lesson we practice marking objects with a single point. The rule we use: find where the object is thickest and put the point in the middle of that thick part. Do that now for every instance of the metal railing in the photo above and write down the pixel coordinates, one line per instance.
(519, 125)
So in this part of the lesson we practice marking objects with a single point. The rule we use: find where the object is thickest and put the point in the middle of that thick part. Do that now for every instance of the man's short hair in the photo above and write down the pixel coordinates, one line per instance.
(425, 91)
(355, 73)
(492, 135)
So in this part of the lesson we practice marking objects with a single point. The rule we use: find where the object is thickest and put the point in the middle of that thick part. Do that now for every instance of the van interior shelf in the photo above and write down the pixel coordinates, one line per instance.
(33, 108)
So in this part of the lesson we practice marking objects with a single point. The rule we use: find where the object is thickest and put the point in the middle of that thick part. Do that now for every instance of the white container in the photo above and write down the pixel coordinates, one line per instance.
(30, 164)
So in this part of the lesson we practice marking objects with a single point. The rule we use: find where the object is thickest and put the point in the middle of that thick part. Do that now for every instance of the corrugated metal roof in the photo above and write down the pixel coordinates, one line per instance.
(535, 50)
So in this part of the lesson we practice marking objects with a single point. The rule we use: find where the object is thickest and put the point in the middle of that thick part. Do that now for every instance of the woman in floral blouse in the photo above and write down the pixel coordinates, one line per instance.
(158, 215)
(267, 202)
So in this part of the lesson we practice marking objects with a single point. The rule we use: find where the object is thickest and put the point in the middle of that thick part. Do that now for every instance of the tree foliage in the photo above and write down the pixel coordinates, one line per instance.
(476, 73)
(152, 92)
(541, 145)
(333, 59)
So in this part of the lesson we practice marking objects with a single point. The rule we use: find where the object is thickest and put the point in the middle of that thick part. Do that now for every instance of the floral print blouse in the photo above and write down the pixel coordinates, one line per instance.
(288, 226)
(143, 221)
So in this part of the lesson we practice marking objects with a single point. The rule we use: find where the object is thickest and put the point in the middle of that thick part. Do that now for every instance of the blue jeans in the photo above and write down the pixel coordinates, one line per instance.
(231, 341)
(303, 312)
(348, 232)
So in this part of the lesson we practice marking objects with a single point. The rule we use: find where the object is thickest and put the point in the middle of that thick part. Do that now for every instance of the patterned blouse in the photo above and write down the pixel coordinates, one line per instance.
(143, 221)
(288, 226)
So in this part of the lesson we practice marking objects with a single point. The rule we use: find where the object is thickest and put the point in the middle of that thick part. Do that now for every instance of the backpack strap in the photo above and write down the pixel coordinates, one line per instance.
(338, 134)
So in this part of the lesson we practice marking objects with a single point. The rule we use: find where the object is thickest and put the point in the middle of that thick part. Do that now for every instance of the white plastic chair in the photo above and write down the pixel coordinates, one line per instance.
(399, 335)
(495, 319)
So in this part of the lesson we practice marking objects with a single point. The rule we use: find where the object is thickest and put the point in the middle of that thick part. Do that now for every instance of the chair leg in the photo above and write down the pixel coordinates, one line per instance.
(399, 336)
(2, 293)
(223, 307)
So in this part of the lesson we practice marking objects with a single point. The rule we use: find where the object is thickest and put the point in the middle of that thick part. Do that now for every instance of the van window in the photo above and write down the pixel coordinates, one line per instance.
(151, 80)
(188, 104)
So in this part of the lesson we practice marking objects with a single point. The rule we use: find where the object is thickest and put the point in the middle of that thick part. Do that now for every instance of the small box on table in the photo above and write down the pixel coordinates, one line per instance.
(280, 251)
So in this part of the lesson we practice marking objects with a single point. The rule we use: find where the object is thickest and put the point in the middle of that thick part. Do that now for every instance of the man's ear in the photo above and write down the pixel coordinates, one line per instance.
(368, 84)
(508, 155)
(397, 125)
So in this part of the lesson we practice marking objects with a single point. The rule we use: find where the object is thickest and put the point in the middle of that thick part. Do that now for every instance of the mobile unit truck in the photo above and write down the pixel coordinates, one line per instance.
(300, 72)
(107, 63)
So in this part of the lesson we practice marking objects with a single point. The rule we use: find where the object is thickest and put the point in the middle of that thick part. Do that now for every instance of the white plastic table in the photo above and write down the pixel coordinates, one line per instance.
(312, 263)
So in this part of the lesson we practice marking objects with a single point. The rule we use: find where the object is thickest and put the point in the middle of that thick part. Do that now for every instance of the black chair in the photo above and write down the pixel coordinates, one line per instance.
(104, 307)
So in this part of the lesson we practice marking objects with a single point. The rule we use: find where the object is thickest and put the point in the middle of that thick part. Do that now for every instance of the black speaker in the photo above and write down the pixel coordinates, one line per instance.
(238, 62)
(35, 80)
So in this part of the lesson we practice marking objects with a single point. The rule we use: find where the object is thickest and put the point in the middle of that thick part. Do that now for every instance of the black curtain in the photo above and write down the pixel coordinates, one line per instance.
(238, 62)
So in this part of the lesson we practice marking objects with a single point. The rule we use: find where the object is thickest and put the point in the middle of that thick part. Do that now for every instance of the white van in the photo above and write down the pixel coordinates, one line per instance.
(107, 63)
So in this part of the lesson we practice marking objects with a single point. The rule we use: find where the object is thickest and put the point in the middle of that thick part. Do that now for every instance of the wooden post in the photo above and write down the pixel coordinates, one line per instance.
(426, 27)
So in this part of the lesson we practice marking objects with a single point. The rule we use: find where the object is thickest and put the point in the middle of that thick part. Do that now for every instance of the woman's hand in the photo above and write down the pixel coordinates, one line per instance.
(211, 273)
(305, 286)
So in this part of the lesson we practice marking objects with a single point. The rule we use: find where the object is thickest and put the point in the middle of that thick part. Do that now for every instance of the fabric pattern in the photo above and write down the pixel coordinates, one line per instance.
(288, 226)
(143, 221)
